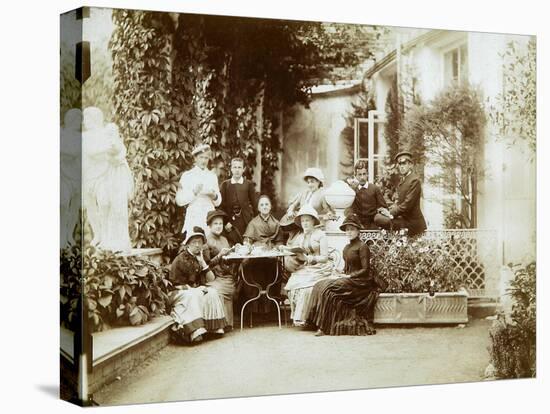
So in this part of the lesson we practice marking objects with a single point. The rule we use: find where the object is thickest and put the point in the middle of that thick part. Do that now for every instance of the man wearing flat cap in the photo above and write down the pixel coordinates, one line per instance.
(406, 210)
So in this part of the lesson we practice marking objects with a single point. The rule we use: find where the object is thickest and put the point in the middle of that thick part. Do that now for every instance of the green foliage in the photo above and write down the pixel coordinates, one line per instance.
(513, 343)
(117, 290)
(98, 89)
(71, 287)
(387, 180)
(415, 264)
(69, 88)
(394, 117)
(389, 177)
(515, 110)
(449, 131)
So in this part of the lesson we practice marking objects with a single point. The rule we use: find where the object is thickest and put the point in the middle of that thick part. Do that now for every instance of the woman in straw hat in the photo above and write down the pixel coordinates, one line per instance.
(345, 306)
(198, 190)
(311, 263)
(196, 308)
(314, 195)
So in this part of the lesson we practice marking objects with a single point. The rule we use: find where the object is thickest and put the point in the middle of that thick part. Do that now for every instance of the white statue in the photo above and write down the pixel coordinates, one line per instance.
(70, 162)
(107, 182)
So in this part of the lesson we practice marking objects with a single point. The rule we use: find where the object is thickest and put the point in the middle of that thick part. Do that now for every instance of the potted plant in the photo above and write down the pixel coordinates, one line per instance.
(422, 284)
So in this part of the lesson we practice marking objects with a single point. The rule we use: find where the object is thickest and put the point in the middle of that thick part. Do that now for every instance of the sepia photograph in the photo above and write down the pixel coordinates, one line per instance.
(256, 206)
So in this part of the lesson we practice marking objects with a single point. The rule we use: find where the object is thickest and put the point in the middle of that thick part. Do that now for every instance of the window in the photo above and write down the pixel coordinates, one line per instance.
(369, 142)
(455, 65)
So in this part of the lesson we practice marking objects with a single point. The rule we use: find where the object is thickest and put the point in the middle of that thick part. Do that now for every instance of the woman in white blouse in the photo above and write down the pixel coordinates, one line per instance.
(198, 190)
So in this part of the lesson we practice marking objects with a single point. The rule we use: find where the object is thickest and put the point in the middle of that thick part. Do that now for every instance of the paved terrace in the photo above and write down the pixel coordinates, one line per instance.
(266, 360)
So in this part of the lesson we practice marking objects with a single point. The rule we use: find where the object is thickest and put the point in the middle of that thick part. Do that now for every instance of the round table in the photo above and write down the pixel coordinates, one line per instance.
(261, 292)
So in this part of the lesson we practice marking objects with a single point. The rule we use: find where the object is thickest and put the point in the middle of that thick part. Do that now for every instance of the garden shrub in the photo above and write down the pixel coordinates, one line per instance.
(415, 264)
(118, 290)
(513, 341)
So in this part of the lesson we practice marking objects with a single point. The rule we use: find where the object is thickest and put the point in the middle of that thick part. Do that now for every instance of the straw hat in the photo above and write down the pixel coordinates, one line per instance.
(200, 148)
(215, 213)
(197, 231)
(315, 173)
(307, 210)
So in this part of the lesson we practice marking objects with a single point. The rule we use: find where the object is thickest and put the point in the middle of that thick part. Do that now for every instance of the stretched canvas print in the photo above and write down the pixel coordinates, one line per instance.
(302, 206)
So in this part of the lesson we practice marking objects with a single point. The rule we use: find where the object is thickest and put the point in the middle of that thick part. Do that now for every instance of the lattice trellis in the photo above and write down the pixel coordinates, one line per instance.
(472, 251)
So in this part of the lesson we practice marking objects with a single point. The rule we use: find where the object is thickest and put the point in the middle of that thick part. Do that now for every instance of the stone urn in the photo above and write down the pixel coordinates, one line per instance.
(339, 196)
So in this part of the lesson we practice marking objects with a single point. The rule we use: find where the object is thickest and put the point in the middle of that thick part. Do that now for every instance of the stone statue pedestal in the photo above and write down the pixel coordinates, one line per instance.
(153, 254)
(339, 196)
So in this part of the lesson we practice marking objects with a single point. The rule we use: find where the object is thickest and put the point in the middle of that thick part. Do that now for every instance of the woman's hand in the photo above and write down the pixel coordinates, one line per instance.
(197, 189)
(224, 252)
(211, 194)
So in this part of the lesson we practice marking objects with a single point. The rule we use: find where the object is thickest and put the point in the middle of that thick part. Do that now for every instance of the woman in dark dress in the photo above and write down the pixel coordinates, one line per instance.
(345, 306)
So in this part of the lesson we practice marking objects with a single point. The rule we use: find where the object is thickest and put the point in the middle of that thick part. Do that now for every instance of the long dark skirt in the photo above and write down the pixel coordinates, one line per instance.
(343, 306)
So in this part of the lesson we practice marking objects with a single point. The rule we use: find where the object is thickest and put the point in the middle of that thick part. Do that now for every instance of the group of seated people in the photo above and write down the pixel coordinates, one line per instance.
(218, 219)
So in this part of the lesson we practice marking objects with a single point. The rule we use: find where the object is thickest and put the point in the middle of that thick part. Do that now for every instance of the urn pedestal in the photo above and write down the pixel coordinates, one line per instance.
(339, 196)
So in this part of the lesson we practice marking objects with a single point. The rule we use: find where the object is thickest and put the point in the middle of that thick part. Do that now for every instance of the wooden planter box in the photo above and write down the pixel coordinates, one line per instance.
(422, 308)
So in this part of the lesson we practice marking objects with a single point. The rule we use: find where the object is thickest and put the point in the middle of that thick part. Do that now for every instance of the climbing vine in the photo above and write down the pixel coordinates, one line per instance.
(515, 109)
(158, 145)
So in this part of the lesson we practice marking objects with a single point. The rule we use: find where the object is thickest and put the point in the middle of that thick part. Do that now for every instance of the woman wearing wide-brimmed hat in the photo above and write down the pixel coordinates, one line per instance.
(314, 195)
(198, 190)
(196, 308)
(311, 262)
(345, 306)
(224, 271)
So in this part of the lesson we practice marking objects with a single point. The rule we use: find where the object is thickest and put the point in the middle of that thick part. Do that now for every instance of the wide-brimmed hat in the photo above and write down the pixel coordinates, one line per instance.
(286, 221)
(403, 154)
(352, 219)
(200, 148)
(215, 213)
(197, 231)
(307, 210)
(315, 173)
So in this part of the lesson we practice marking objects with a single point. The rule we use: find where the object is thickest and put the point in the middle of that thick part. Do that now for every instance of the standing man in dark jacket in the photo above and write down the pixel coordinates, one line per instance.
(239, 199)
(406, 211)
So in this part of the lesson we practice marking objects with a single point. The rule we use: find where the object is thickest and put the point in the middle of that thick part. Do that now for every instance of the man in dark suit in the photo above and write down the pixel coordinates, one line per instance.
(239, 201)
(406, 211)
(368, 199)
